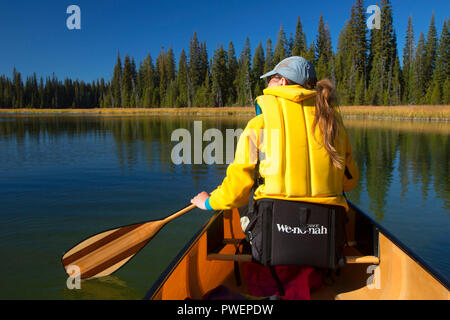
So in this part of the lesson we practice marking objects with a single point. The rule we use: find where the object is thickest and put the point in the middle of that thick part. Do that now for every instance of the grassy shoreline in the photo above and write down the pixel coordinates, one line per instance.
(436, 113)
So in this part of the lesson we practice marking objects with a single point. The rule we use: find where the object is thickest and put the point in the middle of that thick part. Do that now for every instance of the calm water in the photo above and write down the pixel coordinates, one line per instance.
(64, 178)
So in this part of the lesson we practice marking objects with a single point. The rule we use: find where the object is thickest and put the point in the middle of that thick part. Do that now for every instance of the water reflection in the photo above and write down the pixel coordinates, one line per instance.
(417, 151)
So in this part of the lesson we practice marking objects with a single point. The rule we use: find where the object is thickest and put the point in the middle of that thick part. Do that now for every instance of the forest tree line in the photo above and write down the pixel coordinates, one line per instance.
(365, 68)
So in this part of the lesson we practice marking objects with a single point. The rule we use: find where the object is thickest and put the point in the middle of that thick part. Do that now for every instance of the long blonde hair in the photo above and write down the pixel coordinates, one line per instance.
(325, 117)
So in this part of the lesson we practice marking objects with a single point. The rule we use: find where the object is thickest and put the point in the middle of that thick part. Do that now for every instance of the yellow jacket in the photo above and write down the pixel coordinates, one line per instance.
(293, 163)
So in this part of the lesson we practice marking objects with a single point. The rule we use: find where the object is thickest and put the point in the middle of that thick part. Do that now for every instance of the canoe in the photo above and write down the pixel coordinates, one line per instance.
(379, 266)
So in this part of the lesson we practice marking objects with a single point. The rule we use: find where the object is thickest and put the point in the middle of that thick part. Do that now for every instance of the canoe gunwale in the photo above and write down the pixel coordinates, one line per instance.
(177, 259)
(436, 274)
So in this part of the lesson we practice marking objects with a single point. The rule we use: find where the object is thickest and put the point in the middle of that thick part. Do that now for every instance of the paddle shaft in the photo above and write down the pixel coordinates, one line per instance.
(104, 253)
(179, 213)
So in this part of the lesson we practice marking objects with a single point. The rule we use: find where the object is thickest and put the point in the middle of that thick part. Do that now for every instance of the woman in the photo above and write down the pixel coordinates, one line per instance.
(308, 159)
(306, 162)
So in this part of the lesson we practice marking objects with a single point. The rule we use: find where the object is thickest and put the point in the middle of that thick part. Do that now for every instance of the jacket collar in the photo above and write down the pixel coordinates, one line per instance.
(295, 93)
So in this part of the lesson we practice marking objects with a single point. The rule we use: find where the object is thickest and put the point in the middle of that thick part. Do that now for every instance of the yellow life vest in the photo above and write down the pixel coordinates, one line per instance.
(295, 164)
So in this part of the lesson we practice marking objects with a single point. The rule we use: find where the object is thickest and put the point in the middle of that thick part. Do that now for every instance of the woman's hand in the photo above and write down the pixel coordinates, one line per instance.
(199, 200)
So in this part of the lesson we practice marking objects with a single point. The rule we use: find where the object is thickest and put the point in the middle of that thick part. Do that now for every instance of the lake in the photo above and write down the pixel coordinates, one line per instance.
(67, 177)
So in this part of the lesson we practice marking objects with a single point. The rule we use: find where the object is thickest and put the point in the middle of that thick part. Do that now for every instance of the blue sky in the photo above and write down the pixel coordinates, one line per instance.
(34, 36)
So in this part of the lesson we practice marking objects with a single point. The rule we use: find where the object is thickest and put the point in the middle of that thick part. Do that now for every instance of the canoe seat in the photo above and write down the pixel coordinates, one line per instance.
(227, 252)
(230, 257)
(362, 259)
(248, 257)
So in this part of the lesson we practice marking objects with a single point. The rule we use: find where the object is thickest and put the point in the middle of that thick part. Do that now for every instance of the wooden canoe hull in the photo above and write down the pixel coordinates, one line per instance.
(382, 267)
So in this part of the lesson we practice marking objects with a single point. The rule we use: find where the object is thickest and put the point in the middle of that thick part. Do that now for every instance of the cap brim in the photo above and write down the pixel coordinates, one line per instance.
(270, 73)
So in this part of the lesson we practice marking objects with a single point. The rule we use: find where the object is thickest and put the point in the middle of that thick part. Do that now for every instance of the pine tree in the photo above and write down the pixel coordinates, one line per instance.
(430, 55)
(133, 93)
(311, 53)
(299, 48)
(116, 84)
(127, 85)
(345, 68)
(219, 77)
(41, 93)
(18, 90)
(442, 71)
(323, 42)
(204, 65)
(351, 62)
(140, 82)
(195, 63)
(359, 33)
(182, 78)
(385, 77)
(258, 70)
(408, 63)
(165, 64)
(324, 53)
(290, 46)
(148, 79)
(232, 70)
(281, 47)
(244, 82)
(203, 94)
(268, 63)
(419, 72)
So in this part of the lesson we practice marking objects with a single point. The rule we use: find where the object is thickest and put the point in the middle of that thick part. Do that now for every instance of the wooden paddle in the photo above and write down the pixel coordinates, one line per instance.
(104, 253)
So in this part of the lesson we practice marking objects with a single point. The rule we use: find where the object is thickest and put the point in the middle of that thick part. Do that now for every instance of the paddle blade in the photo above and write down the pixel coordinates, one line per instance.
(104, 253)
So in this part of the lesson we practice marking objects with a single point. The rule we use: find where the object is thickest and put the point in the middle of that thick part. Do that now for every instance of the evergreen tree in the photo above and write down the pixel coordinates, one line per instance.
(203, 94)
(148, 78)
(419, 71)
(268, 63)
(195, 63)
(204, 66)
(324, 52)
(281, 47)
(351, 63)
(430, 54)
(258, 70)
(290, 46)
(182, 78)
(345, 68)
(441, 75)
(41, 93)
(323, 42)
(165, 64)
(385, 78)
(359, 33)
(133, 94)
(127, 84)
(299, 47)
(232, 71)
(116, 84)
(408, 63)
(311, 53)
(243, 81)
(219, 77)
(18, 90)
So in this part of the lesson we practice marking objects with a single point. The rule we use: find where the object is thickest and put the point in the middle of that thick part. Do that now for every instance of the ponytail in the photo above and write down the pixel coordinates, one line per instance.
(325, 117)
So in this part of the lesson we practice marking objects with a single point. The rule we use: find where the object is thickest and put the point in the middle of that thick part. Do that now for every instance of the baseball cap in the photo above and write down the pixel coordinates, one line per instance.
(296, 69)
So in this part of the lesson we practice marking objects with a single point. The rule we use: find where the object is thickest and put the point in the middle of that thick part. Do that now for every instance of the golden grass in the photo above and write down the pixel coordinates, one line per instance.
(397, 112)
(440, 127)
